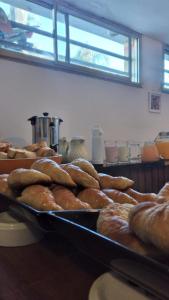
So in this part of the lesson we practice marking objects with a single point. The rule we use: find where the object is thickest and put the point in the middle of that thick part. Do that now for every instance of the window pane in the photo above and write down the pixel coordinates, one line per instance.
(166, 80)
(28, 13)
(166, 61)
(135, 59)
(97, 36)
(21, 38)
(96, 60)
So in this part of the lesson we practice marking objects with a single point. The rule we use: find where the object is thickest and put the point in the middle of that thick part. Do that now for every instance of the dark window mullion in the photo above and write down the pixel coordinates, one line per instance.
(67, 39)
(30, 28)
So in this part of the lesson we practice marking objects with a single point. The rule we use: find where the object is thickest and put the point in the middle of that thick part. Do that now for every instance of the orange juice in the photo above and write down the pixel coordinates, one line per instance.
(149, 152)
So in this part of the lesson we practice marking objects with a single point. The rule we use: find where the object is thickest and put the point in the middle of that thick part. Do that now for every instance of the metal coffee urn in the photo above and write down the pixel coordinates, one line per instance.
(46, 128)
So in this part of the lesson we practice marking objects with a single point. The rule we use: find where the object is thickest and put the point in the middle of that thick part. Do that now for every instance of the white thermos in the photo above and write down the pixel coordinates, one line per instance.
(98, 152)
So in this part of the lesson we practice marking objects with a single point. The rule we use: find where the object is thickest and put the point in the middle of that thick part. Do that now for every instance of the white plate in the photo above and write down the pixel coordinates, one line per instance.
(109, 287)
(15, 233)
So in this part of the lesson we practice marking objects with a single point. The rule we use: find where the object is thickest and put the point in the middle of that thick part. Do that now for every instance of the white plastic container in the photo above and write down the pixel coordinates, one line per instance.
(98, 152)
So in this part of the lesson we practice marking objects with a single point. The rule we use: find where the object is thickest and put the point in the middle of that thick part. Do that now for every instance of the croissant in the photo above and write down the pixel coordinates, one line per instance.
(150, 222)
(52, 169)
(95, 198)
(20, 178)
(164, 192)
(119, 197)
(39, 197)
(80, 177)
(142, 197)
(66, 199)
(110, 182)
(86, 166)
(113, 223)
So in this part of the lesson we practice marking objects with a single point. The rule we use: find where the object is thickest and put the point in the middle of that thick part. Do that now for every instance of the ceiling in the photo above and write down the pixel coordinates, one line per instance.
(149, 17)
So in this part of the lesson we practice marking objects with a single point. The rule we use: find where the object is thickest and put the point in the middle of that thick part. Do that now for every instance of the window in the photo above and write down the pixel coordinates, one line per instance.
(166, 70)
(70, 40)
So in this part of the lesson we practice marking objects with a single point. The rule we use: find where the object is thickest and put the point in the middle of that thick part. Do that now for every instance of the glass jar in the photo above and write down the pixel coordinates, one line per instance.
(149, 152)
(135, 151)
(123, 151)
(111, 151)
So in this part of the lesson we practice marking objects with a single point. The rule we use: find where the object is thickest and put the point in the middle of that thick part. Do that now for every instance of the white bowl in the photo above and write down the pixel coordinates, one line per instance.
(109, 287)
(15, 233)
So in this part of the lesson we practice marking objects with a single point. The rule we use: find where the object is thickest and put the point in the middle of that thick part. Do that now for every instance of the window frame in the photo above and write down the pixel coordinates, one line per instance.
(65, 8)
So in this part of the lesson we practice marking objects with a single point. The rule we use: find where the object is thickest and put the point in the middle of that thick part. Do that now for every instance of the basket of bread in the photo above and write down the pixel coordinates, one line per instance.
(13, 157)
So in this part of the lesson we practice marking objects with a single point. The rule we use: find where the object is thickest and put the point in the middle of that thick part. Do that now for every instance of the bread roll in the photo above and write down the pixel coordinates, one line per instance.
(11, 152)
(119, 197)
(39, 197)
(4, 146)
(80, 177)
(45, 152)
(20, 178)
(113, 223)
(3, 155)
(150, 222)
(95, 198)
(86, 166)
(142, 197)
(67, 199)
(32, 147)
(54, 171)
(22, 153)
(118, 183)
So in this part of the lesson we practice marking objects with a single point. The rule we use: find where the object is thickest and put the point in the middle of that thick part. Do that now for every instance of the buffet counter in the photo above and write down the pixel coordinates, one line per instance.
(148, 177)
(49, 270)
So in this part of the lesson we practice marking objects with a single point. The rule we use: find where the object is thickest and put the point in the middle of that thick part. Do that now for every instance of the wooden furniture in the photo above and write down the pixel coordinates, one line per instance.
(49, 270)
(148, 177)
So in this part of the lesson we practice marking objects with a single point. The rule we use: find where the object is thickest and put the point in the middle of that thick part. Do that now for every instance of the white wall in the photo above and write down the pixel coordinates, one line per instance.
(82, 102)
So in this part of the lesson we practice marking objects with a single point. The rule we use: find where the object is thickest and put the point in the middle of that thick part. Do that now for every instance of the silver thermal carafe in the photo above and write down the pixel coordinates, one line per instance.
(46, 128)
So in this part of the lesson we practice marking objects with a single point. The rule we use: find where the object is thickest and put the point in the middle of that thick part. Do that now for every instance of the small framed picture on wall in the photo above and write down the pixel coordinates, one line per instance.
(154, 102)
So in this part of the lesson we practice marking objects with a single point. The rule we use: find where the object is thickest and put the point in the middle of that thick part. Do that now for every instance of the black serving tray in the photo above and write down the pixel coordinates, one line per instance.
(80, 227)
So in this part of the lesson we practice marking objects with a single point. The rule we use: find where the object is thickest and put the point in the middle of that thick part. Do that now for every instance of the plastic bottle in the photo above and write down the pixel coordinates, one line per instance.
(98, 153)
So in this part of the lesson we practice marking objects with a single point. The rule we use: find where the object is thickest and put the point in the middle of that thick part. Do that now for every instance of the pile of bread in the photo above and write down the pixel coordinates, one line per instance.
(41, 149)
(138, 221)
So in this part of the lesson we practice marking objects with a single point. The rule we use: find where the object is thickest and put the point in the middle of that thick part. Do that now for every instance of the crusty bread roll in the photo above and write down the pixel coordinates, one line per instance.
(4, 146)
(95, 198)
(53, 170)
(86, 166)
(39, 197)
(66, 199)
(142, 197)
(113, 223)
(3, 155)
(32, 147)
(118, 183)
(22, 153)
(80, 177)
(119, 197)
(150, 222)
(20, 178)
(45, 152)
(11, 152)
